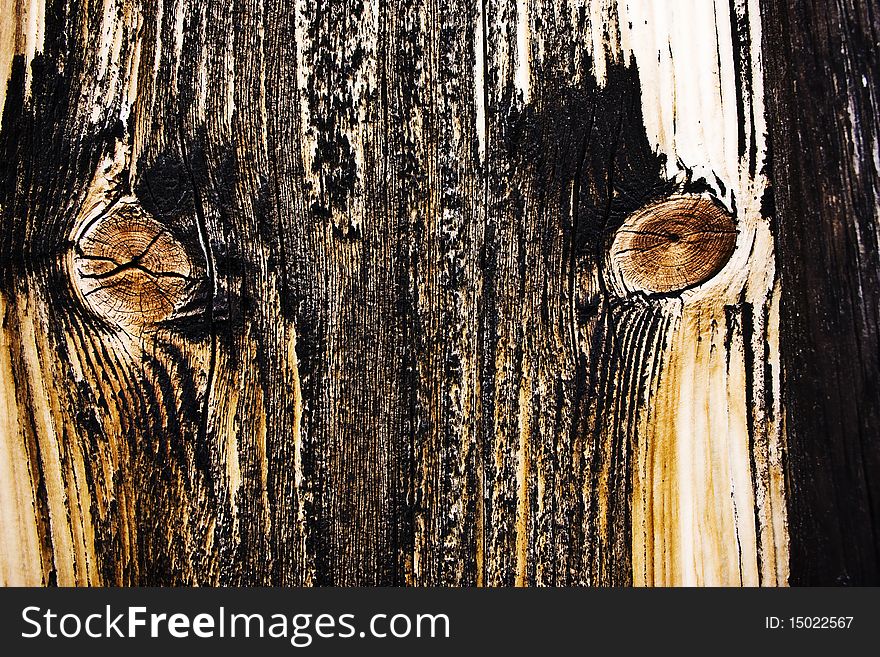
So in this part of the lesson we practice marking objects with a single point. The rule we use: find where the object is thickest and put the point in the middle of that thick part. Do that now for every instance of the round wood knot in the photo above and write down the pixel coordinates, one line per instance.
(674, 244)
(129, 269)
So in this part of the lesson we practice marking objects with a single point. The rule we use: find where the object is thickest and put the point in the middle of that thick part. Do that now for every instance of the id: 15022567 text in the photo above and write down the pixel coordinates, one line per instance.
(808, 623)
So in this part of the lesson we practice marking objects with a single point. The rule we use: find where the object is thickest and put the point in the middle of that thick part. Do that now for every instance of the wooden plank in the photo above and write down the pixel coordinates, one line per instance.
(822, 59)
(712, 421)
(346, 293)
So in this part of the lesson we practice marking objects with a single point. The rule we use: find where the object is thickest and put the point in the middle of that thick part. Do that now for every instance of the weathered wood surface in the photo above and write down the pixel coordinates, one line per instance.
(452, 293)
(826, 163)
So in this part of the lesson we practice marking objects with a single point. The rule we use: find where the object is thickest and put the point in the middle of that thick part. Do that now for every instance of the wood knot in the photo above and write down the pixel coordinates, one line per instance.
(674, 244)
(129, 269)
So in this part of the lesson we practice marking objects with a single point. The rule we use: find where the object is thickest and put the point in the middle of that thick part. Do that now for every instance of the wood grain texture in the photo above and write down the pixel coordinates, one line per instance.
(327, 293)
(823, 61)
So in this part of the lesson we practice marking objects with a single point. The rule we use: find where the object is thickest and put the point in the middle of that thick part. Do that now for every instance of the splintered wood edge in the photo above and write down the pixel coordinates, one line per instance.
(674, 244)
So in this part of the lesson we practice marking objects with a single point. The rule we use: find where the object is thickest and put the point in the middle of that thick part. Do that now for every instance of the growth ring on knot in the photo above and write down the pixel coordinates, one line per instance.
(129, 269)
(674, 244)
